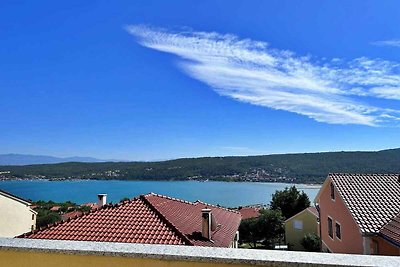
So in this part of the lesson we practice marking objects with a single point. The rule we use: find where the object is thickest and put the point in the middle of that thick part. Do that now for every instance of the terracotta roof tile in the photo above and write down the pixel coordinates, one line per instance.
(70, 215)
(372, 199)
(186, 217)
(249, 212)
(150, 219)
(128, 222)
(391, 230)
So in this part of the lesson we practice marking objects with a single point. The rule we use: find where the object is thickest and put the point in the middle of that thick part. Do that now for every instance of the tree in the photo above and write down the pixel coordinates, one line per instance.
(311, 242)
(289, 201)
(266, 228)
(271, 226)
(46, 217)
(249, 232)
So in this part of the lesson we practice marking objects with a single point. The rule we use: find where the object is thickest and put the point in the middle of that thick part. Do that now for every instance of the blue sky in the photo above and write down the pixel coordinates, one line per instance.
(150, 80)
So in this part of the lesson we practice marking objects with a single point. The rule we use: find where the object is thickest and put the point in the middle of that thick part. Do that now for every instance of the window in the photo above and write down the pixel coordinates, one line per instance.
(298, 225)
(33, 216)
(338, 233)
(332, 191)
(330, 228)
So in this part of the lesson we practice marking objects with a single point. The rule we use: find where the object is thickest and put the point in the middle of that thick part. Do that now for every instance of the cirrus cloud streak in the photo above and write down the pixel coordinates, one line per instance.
(330, 91)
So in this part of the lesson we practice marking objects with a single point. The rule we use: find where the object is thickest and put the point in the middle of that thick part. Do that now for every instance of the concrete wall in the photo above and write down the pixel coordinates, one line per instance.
(294, 236)
(38, 253)
(351, 241)
(15, 217)
(36, 259)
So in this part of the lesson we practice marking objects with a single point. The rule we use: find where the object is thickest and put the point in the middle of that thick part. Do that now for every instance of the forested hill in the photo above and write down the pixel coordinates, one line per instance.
(300, 168)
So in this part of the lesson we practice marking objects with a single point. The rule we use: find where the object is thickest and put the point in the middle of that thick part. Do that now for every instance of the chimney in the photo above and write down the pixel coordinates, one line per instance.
(206, 223)
(102, 200)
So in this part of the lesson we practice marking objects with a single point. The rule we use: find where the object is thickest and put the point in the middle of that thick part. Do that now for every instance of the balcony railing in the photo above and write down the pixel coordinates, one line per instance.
(35, 253)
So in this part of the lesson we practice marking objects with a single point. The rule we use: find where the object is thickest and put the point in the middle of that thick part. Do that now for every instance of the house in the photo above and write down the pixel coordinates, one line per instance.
(249, 212)
(360, 213)
(300, 224)
(55, 208)
(17, 217)
(71, 215)
(92, 206)
(150, 219)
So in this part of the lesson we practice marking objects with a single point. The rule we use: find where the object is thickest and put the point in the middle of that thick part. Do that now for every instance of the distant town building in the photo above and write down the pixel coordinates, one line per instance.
(55, 208)
(249, 212)
(92, 206)
(300, 224)
(150, 219)
(71, 215)
(16, 215)
(360, 213)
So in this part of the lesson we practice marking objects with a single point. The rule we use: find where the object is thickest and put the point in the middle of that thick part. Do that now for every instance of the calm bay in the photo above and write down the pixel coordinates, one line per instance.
(229, 194)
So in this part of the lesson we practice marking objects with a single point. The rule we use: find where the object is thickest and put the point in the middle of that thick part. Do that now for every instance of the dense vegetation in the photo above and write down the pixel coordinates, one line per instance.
(311, 243)
(46, 216)
(289, 201)
(267, 230)
(307, 168)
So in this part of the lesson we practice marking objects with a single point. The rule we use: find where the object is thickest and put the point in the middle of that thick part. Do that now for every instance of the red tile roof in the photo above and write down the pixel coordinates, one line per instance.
(186, 217)
(55, 208)
(71, 215)
(372, 199)
(391, 231)
(150, 219)
(249, 212)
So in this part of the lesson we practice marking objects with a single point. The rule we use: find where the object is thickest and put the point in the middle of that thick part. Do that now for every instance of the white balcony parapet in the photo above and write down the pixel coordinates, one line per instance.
(196, 254)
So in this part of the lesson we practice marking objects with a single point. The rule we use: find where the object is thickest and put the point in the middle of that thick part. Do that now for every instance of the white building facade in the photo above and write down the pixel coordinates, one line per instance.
(16, 215)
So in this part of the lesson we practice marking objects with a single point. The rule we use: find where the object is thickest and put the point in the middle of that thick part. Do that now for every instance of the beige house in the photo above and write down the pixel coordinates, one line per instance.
(300, 224)
(16, 215)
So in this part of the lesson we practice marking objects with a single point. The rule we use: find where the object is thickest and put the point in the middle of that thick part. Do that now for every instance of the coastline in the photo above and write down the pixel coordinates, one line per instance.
(301, 185)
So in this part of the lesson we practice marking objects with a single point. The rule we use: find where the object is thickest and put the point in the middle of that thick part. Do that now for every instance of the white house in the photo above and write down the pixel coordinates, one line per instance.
(16, 215)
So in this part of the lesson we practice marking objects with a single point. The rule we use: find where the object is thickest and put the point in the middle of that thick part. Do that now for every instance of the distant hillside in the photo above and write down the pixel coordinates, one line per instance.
(21, 159)
(300, 168)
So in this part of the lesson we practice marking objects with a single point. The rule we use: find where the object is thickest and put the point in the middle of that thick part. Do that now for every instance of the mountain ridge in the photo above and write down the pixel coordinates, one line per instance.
(28, 159)
(295, 167)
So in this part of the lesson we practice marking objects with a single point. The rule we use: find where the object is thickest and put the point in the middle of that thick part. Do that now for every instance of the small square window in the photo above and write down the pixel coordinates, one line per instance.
(330, 227)
(298, 225)
(338, 231)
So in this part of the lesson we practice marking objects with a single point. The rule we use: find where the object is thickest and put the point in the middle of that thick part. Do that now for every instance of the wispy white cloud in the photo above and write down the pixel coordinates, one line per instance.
(331, 91)
(393, 42)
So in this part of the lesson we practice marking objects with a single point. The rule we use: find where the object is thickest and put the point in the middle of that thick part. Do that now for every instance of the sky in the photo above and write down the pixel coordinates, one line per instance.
(156, 80)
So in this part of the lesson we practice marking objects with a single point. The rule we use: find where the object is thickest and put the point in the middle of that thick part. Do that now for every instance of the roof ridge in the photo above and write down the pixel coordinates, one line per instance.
(170, 198)
(49, 226)
(17, 197)
(191, 203)
(216, 206)
(165, 220)
(366, 173)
